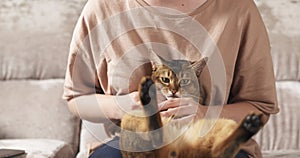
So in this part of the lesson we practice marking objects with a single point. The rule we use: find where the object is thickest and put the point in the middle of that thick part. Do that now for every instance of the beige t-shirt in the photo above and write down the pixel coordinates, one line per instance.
(109, 50)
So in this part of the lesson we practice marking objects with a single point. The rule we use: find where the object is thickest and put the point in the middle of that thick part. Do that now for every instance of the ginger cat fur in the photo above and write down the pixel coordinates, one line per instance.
(144, 134)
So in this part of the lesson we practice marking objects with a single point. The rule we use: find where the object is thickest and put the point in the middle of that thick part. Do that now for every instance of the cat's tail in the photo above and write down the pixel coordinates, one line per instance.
(148, 98)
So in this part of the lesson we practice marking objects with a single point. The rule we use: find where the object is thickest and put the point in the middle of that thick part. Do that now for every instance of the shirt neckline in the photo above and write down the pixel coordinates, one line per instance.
(178, 14)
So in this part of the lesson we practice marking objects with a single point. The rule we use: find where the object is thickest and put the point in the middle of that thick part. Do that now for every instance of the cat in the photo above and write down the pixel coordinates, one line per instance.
(145, 134)
(177, 78)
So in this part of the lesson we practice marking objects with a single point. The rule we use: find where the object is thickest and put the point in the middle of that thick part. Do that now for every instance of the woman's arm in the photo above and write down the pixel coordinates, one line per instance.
(100, 108)
(238, 111)
(187, 107)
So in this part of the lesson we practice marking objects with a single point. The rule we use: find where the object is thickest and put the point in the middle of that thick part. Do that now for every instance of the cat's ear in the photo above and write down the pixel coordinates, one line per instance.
(154, 59)
(199, 65)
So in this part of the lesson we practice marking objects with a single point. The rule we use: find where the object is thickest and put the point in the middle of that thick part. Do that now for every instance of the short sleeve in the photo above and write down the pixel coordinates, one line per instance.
(81, 74)
(254, 80)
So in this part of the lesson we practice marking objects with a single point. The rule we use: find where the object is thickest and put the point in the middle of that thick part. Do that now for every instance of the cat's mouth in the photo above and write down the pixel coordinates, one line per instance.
(173, 96)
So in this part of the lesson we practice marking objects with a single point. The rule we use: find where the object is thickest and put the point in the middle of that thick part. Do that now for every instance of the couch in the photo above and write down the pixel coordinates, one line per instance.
(35, 37)
(34, 43)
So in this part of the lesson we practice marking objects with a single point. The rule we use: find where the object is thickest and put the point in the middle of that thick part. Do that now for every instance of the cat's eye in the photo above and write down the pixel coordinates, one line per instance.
(165, 79)
(184, 82)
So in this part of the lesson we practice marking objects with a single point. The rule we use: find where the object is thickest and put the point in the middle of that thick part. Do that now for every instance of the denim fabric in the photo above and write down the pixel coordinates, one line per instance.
(111, 150)
(108, 150)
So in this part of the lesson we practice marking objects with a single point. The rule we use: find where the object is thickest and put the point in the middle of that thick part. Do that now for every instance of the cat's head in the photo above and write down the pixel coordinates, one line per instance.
(177, 78)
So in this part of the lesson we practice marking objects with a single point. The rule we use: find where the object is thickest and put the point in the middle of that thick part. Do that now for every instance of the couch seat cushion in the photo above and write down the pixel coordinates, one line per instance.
(35, 109)
(282, 154)
(40, 148)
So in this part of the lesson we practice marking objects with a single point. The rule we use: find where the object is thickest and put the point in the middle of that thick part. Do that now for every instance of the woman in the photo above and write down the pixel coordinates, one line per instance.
(106, 59)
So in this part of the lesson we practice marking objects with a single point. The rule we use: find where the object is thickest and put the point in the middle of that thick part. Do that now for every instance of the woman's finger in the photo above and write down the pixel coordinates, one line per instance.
(180, 111)
(171, 103)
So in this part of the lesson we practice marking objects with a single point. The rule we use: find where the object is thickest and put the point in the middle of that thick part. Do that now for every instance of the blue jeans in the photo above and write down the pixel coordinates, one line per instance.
(108, 150)
(111, 150)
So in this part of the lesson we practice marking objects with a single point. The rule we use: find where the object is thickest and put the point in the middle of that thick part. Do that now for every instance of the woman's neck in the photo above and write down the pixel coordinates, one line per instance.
(185, 6)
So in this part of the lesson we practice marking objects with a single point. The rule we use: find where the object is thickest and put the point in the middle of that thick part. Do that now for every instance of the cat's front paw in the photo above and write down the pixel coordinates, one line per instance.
(253, 122)
(147, 90)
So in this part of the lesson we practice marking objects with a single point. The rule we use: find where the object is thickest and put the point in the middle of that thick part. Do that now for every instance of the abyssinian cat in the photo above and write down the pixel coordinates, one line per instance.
(145, 134)
(177, 78)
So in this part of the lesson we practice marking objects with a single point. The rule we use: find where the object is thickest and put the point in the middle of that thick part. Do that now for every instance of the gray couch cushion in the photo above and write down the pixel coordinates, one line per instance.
(35, 37)
(34, 109)
(40, 148)
(282, 131)
(282, 154)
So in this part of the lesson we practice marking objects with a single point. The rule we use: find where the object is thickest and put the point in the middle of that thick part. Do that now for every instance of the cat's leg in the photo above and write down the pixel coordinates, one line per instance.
(147, 92)
(141, 134)
(231, 145)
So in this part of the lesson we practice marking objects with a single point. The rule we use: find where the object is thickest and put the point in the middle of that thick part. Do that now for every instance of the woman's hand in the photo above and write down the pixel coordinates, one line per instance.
(182, 109)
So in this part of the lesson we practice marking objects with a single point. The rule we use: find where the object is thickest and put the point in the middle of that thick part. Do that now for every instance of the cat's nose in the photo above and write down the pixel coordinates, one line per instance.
(174, 91)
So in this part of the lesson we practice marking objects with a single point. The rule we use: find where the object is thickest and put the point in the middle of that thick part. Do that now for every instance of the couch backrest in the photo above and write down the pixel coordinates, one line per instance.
(35, 37)
(282, 21)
